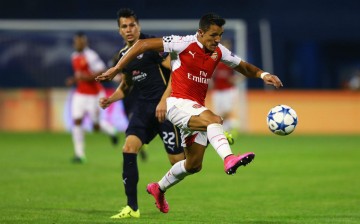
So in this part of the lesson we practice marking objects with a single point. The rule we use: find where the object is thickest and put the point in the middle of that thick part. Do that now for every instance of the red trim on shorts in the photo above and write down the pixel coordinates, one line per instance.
(190, 139)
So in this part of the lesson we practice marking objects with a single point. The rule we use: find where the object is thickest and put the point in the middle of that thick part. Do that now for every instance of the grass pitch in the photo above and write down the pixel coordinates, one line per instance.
(293, 179)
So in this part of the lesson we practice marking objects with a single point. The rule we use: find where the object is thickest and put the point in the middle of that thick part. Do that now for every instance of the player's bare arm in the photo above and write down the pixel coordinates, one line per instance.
(139, 47)
(160, 112)
(251, 71)
(118, 94)
(166, 62)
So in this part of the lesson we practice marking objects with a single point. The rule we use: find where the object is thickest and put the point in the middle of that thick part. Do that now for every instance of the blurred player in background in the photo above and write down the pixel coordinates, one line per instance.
(87, 65)
(194, 59)
(225, 94)
(148, 75)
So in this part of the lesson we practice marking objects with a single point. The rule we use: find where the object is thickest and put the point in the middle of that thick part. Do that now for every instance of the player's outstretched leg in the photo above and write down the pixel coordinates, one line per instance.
(161, 203)
(127, 212)
(232, 162)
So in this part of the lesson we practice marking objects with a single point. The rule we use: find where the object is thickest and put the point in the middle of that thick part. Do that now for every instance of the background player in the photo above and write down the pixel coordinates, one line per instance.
(87, 65)
(148, 78)
(225, 95)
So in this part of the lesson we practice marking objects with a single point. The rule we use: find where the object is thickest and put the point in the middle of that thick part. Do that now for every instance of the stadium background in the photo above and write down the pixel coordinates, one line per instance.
(314, 47)
(307, 177)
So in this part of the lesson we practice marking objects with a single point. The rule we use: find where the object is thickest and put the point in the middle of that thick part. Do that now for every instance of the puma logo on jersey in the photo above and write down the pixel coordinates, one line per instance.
(192, 54)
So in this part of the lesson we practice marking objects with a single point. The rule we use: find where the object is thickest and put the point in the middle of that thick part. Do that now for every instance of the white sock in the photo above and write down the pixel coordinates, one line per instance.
(215, 134)
(78, 140)
(173, 176)
(107, 128)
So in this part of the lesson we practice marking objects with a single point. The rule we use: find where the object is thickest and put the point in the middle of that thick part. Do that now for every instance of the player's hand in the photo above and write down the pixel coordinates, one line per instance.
(270, 79)
(104, 102)
(160, 112)
(108, 75)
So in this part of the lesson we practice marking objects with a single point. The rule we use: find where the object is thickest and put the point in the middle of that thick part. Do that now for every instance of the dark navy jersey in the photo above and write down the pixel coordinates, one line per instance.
(149, 80)
(147, 74)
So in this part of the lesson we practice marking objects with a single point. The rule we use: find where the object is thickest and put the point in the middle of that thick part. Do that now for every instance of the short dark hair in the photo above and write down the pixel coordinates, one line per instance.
(210, 19)
(80, 34)
(126, 13)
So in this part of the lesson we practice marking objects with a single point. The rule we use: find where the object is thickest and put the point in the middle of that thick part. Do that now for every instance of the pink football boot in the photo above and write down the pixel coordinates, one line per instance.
(161, 203)
(232, 162)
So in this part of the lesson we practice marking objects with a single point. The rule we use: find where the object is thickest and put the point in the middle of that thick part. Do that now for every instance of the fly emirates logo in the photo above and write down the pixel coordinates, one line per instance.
(201, 78)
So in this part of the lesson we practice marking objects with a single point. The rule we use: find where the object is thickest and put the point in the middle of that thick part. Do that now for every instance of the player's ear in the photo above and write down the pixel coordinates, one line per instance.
(200, 32)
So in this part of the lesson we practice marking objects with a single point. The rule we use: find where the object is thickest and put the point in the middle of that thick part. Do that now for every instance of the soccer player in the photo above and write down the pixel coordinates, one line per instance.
(225, 93)
(194, 59)
(87, 65)
(129, 102)
(148, 77)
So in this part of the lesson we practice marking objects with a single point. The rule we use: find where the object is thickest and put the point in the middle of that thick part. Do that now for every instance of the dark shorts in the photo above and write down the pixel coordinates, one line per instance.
(145, 126)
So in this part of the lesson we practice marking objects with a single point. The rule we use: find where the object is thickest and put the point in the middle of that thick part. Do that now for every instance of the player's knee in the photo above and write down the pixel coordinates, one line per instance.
(130, 149)
(217, 120)
(176, 158)
(214, 120)
(173, 161)
(195, 169)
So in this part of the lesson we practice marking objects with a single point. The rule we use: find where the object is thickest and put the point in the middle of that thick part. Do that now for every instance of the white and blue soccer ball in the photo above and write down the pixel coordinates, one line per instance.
(282, 120)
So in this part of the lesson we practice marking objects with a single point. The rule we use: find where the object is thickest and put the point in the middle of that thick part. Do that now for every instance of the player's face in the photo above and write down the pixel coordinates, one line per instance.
(79, 43)
(211, 38)
(129, 29)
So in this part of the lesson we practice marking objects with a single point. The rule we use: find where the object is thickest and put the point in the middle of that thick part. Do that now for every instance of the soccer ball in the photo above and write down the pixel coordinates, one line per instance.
(282, 120)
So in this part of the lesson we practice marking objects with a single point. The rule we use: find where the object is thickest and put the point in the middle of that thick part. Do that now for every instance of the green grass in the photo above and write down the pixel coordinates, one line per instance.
(293, 179)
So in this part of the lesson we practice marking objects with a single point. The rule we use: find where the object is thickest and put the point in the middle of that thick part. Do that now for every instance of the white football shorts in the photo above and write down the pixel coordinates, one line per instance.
(83, 104)
(225, 100)
(179, 112)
